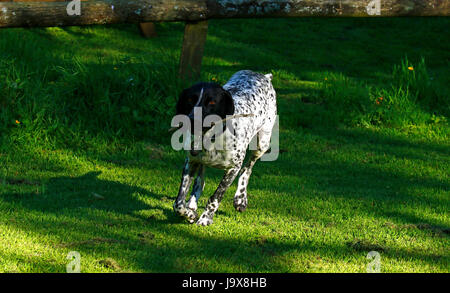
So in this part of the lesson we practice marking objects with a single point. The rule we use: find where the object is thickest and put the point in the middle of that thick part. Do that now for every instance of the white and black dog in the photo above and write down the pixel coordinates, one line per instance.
(250, 97)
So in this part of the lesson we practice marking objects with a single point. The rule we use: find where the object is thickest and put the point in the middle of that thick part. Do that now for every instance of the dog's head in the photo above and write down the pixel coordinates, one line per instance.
(211, 98)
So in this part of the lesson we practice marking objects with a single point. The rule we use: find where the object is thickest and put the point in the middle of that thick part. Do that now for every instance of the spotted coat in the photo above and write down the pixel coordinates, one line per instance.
(253, 94)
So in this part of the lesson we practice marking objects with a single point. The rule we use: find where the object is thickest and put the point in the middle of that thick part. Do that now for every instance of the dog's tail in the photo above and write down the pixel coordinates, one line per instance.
(269, 76)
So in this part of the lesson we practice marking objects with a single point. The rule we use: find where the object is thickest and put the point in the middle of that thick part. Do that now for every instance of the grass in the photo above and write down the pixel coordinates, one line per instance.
(86, 163)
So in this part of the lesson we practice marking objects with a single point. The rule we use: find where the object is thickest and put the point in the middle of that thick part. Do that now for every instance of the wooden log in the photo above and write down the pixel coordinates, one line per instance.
(341, 8)
(192, 51)
(26, 14)
(41, 14)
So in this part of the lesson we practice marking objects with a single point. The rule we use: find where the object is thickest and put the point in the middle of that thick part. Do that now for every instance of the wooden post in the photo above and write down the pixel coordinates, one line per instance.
(192, 51)
(147, 29)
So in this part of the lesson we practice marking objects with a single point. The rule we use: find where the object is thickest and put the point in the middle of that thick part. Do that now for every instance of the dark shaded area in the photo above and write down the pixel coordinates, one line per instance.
(299, 47)
(79, 192)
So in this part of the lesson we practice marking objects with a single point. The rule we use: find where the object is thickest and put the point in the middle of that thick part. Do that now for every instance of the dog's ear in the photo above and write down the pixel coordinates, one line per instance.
(227, 104)
(183, 106)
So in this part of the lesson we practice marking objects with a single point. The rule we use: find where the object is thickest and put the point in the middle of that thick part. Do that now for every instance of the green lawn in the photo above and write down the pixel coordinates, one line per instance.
(86, 163)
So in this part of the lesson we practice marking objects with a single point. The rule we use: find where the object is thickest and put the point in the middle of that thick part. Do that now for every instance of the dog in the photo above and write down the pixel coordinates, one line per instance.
(251, 98)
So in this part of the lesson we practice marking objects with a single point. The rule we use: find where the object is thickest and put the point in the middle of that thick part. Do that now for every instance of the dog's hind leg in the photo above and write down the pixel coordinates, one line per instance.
(179, 205)
(199, 185)
(240, 198)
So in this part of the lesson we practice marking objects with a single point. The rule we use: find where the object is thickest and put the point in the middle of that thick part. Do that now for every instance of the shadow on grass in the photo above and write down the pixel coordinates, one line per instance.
(64, 193)
(122, 232)
(194, 252)
(69, 211)
(351, 167)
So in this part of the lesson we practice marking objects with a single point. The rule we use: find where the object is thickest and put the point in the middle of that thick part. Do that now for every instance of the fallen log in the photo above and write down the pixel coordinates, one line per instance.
(41, 14)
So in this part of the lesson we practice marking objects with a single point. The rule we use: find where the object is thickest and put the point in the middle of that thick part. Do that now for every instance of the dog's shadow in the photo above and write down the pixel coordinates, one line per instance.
(64, 193)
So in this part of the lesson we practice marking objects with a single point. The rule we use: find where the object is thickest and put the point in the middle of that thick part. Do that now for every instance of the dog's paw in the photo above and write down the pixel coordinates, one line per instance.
(186, 212)
(240, 204)
(178, 209)
(190, 215)
(204, 221)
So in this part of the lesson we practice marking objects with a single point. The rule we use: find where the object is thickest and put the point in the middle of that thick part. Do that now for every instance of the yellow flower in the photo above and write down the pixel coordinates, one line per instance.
(411, 68)
(115, 68)
(17, 122)
(326, 78)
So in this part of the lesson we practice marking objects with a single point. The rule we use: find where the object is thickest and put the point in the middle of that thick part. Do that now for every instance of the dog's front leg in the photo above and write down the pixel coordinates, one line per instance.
(213, 203)
(199, 185)
(179, 205)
